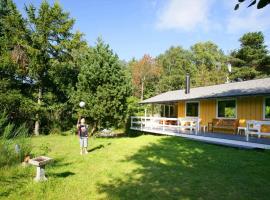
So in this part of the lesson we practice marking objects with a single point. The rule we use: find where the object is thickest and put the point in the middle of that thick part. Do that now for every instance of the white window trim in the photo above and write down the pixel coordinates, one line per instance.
(227, 99)
(169, 109)
(192, 102)
(264, 100)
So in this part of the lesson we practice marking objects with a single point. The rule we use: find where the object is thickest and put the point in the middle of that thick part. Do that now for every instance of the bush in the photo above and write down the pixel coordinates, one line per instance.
(55, 131)
(9, 154)
(44, 149)
(14, 142)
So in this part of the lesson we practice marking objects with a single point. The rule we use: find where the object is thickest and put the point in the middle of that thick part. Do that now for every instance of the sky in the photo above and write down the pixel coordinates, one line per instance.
(133, 28)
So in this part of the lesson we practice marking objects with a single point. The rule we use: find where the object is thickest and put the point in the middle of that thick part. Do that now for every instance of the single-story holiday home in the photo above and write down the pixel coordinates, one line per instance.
(233, 107)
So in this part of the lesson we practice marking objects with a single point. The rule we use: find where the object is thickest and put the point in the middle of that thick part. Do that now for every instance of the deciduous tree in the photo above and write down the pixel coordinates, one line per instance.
(175, 63)
(145, 74)
(260, 3)
(211, 64)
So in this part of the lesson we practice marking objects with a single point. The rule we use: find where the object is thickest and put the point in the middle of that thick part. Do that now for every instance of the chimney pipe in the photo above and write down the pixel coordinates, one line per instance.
(187, 85)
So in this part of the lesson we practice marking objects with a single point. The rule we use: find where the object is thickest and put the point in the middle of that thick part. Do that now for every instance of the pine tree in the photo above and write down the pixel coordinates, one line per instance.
(50, 48)
(13, 63)
(103, 85)
(252, 58)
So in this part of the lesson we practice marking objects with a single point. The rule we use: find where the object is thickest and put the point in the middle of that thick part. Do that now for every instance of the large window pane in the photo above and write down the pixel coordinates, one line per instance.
(267, 108)
(192, 109)
(168, 110)
(227, 109)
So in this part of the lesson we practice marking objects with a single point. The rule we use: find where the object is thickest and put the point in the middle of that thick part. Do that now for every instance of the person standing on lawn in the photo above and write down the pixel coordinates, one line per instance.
(83, 135)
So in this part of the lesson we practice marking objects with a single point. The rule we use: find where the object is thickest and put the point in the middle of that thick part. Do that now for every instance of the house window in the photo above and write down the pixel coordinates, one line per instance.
(227, 108)
(267, 108)
(168, 110)
(192, 109)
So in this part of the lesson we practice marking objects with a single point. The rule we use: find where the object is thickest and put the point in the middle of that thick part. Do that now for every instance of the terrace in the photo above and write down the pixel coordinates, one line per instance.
(190, 128)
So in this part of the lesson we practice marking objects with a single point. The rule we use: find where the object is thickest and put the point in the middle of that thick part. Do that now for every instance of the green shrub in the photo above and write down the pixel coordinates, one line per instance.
(55, 131)
(8, 153)
(8, 131)
(3, 121)
(44, 149)
(10, 137)
(72, 131)
(25, 147)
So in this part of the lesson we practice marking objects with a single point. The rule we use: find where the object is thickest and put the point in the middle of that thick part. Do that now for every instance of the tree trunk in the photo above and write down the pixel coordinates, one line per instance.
(37, 123)
(94, 128)
(142, 89)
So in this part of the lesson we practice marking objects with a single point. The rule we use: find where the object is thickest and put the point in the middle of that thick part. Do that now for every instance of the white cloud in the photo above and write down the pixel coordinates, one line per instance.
(248, 19)
(184, 14)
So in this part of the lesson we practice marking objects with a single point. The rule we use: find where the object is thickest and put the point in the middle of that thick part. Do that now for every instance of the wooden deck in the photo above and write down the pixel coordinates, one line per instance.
(238, 141)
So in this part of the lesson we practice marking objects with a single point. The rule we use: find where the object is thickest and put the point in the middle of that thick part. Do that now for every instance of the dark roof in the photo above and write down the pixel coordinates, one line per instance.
(243, 88)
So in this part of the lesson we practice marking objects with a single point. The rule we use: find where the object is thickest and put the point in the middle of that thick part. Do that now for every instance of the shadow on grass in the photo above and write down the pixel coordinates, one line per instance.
(96, 148)
(62, 174)
(175, 168)
(60, 162)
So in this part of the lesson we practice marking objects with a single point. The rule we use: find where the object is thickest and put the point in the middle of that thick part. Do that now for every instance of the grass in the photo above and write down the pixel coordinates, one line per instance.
(144, 167)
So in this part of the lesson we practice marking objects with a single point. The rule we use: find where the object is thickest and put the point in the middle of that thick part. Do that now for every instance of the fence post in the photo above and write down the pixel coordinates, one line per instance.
(141, 123)
(145, 122)
(163, 123)
(196, 127)
(178, 128)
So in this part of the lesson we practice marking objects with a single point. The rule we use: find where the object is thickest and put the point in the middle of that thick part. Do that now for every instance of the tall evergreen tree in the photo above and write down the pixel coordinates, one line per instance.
(13, 63)
(50, 47)
(103, 85)
(252, 59)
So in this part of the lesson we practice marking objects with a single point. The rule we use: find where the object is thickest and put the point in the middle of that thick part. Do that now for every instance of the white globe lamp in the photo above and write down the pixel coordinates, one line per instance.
(82, 104)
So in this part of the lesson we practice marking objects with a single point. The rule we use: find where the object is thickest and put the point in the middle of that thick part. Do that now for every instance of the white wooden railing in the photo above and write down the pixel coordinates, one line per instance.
(163, 123)
(254, 128)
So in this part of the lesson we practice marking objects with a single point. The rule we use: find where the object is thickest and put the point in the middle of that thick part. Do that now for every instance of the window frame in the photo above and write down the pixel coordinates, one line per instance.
(264, 107)
(227, 99)
(192, 102)
(172, 114)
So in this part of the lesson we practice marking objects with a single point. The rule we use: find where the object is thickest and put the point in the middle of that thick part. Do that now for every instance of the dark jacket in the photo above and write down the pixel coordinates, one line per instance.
(83, 131)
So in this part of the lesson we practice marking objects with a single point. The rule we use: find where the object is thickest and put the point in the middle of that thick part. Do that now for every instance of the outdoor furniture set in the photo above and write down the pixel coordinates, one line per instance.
(249, 127)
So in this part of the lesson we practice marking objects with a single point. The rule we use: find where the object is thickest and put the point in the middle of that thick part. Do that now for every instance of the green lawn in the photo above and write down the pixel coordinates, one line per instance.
(144, 167)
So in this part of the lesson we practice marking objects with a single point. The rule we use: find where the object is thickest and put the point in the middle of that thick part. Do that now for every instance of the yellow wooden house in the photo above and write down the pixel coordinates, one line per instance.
(245, 100)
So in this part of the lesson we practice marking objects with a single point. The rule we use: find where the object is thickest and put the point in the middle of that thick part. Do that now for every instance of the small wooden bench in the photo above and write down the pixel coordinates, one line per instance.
(225, 124)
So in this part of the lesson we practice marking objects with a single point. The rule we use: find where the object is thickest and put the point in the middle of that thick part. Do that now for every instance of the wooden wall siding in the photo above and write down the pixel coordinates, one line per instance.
(249, 108)
(207, 111)
(181, 109)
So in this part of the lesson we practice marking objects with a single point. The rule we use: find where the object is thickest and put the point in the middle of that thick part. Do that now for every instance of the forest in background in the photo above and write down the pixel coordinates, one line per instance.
(46, 69)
